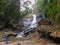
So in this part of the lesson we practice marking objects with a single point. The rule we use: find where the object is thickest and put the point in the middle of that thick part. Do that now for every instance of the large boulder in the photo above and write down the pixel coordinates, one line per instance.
(55, 34)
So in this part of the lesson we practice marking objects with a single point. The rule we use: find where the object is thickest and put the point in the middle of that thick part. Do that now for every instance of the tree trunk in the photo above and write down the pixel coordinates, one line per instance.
(58, 3)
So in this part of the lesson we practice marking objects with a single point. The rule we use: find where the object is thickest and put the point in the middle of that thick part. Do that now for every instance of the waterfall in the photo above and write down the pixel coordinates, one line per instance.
(29, 24)
(33, 23)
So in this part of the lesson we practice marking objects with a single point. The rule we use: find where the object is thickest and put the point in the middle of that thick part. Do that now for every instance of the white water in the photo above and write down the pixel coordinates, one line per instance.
(29, 23)
(29, 4)
(33, 23)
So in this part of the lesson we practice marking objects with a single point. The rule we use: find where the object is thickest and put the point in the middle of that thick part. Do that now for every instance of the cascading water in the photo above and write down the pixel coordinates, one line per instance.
(29, 24)
(33, 23)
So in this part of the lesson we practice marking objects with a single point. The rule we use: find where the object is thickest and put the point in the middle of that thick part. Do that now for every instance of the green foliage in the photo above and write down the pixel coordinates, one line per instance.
(9, 13)
(51, 9)
(40, 5)
(58, 17)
